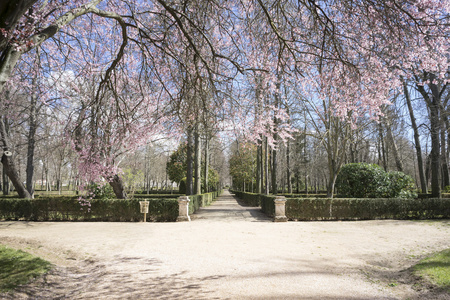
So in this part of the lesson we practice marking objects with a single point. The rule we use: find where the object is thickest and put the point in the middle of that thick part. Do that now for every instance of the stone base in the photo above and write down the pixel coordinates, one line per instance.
(183, 219)
(280, 219)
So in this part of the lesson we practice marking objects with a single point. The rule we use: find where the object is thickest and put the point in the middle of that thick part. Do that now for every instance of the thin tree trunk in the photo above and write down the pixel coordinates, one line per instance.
(383, 148)
(197, 162)
(288, 167)
(423, 181)
(266, 167)
(190, 164)
(274, 172)
(206, 168)
(390, 137)
(32, 136)
(445, 175)
(258, 169)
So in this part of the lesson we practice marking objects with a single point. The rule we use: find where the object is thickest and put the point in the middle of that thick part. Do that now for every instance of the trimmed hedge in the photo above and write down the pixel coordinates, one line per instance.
(157, 196)
(268, 205)
(248, 199)
(69, 209)
(316, 209)
(201, 200)
(311, 195)
(367, 209)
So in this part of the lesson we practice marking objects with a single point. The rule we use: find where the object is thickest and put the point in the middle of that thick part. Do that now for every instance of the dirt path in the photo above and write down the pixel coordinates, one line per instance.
(228, 252)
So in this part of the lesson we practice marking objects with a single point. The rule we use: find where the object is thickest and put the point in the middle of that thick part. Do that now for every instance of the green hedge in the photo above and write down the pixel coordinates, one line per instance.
(311, 195)
(367, 209)
(197, 201)
(353, 208)
(157, 196)
(268, 205)
(69, 209)
(248, 199)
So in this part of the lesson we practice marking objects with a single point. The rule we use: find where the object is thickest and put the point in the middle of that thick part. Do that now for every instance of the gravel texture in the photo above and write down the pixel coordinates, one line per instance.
(229, 251)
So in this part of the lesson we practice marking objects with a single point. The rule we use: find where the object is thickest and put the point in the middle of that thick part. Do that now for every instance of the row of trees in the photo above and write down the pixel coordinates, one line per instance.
(123, 74)
(401, 140)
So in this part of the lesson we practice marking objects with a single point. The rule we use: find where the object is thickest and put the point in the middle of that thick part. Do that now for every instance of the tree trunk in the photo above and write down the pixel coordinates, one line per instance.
(258, 169)
(197, 162)
(206, 167)
(274, 172)
(383, 148)
(288, 167)
(435, 151)
(445, 175)
(9, 168)
(390, 137)
(190, 164)
(435, 130)
(32, 135)
(423, 181)
(118, 187)
(266, 167)
(331, 184)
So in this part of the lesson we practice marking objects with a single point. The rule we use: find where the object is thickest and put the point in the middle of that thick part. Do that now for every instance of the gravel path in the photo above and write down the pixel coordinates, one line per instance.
(229, 251)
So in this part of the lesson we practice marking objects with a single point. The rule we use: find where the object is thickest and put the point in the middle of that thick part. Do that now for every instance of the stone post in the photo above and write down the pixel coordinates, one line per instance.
(280, 209)
(183, 209)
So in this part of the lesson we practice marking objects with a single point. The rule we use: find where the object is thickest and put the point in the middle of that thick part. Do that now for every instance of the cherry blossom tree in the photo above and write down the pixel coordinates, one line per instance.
(158, 54)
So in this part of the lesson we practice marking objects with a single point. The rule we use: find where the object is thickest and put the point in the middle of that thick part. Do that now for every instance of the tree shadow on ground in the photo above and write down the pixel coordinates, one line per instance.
(92, 280)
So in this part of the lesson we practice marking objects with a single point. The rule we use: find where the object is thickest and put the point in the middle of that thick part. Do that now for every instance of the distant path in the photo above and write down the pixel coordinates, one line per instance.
(227, 208)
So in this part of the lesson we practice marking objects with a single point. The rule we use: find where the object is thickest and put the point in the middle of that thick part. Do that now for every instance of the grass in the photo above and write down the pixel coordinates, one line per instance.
(436, 269)
(18, 267)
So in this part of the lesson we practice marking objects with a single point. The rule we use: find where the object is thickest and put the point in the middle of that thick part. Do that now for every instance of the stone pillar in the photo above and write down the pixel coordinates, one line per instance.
(183, 209)
(280, 209)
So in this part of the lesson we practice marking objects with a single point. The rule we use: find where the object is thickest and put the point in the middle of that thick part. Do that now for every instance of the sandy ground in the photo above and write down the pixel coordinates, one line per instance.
(229, 252)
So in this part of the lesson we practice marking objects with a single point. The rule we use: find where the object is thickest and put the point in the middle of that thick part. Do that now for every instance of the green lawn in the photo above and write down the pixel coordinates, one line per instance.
(436, 269)
(18, 267)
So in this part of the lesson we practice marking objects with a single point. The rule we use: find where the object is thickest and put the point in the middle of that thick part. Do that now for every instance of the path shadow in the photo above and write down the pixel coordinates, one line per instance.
(94, 280)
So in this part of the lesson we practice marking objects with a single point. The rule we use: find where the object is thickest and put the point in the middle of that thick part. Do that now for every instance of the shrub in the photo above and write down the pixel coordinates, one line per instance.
(362, 180)
(101, 191)
(401, 185)
(182, 187)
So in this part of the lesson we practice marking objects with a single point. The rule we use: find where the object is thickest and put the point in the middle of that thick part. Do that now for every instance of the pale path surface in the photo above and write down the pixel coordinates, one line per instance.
(228, 252)
(227, 209)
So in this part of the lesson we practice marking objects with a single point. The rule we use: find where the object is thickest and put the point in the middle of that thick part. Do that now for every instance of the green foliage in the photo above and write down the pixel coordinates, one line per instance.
(243, 165)
(177, 165)
(309, 209)
(436, 269)
(316, 209)
(362, 180)
(101, 191)
(267, 205)
(132, 179)
(18, 267)
(182, 187)
(401, 185)
(213, 179)
(248, 199)
(197, 201)
(69, 209)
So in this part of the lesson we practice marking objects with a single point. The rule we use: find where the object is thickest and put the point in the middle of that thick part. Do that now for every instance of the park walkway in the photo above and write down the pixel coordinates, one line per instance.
(227, 208)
